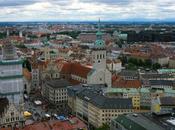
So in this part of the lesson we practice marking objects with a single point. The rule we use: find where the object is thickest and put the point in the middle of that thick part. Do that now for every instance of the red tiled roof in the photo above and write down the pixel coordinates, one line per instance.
(74, 82)
(75, 69)
(127, 84)
(80, 70)
(115, 77)
(57, 125)
(63, 50)
(27, 74)
(9, 129)
(66, 68)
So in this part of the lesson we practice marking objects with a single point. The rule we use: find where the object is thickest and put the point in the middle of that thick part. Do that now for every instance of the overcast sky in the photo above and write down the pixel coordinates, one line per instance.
(86, 10)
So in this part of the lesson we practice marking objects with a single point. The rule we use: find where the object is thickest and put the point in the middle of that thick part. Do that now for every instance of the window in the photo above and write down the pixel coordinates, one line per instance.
(12, 113)
(100, 56)
(25, 86)
(97, 56)
(7, 120)
(116, 125)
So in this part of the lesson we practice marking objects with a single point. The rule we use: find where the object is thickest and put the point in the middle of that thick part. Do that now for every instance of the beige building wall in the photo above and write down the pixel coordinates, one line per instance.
(172, 63)
(97, 116)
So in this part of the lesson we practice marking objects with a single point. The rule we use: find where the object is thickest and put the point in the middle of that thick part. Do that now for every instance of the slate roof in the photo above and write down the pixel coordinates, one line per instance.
(103, 102)
(129, 73)
(58, 83)
(138, 122)
(167, 101)
(156, 76)
(161, 82)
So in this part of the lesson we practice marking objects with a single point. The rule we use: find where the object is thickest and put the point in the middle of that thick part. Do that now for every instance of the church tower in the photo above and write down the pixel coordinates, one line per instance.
(11, 76)
(20, 34)
(99, 74)
(46, 50)
(99, 51)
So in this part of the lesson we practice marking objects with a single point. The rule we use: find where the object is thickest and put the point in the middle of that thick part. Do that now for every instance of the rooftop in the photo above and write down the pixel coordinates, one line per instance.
(161, 82)
(58, 83)
(127, 84)
(99, 100)
(73, 124)
(141, 122)
(170, 101)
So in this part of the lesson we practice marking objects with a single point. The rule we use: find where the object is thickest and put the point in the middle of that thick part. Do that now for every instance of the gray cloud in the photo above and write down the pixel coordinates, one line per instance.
(7, 3)
(92, 9)
(108, 2)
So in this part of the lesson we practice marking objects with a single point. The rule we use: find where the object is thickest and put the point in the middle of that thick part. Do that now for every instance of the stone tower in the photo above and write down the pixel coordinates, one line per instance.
(99, 74)
(99, 51)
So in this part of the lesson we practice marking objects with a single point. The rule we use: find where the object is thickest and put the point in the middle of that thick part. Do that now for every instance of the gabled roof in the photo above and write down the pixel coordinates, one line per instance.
(75, 69)
(58, 83)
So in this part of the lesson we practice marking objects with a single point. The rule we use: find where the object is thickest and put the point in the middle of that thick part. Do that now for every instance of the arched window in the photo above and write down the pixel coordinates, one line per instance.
(100, 56)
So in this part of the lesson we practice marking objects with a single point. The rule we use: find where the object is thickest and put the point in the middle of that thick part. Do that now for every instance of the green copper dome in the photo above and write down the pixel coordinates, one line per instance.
(99, 43)
(46, 42)
(99, 33)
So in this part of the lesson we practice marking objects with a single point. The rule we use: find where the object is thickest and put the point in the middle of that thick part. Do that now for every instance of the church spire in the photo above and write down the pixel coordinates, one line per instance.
(99, 27)
(99, 43)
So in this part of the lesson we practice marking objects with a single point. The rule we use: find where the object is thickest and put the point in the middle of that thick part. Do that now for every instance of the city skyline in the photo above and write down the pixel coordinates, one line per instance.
(76, 10)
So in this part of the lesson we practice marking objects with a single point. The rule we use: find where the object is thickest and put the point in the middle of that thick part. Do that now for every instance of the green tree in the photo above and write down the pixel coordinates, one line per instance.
(156, 66)
(131, 66)
(148, 63)
(2, 35)
(104, 127)
(21, 46)
(140, 62)
(123, 59)
(133, 61)
(26, 64)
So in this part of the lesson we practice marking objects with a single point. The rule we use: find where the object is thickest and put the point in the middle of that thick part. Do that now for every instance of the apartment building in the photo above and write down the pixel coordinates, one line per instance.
(56, 92)
(94, 108)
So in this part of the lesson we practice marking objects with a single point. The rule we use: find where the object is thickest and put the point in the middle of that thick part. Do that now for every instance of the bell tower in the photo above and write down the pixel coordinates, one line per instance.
(99, 74)
(99, 51)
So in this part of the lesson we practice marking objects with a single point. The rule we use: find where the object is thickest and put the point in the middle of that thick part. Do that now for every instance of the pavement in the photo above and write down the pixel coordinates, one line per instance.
(39, 111)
